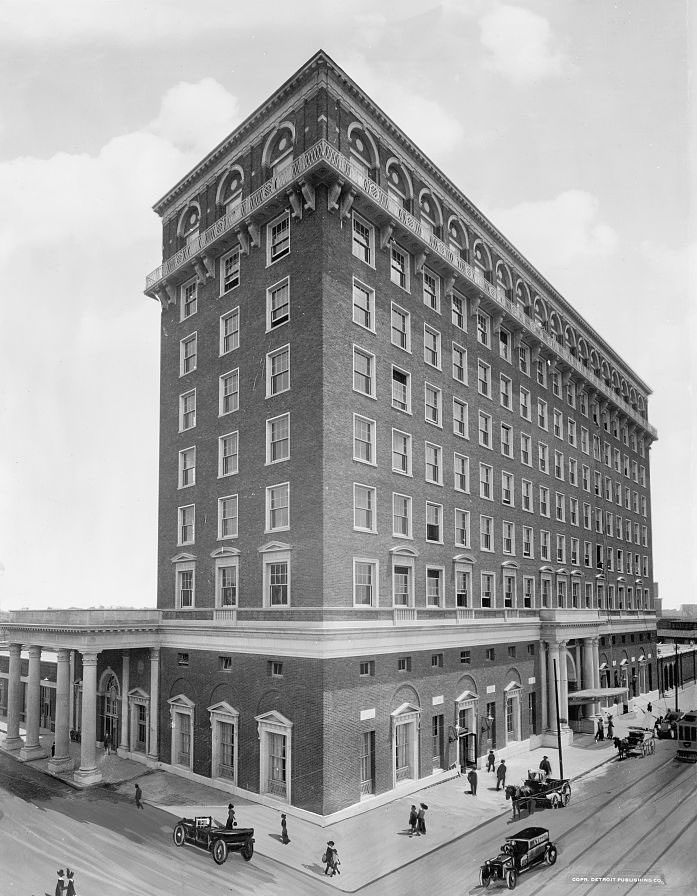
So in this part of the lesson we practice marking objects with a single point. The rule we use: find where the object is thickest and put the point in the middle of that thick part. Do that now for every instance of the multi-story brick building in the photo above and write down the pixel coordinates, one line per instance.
(403, 483)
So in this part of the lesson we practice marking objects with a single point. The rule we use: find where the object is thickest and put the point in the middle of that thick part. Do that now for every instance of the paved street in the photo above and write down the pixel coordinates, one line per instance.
(630, 819)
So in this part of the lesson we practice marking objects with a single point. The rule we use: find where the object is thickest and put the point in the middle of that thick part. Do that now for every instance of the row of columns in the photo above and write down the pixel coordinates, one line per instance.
(61, 761)
(587, 656)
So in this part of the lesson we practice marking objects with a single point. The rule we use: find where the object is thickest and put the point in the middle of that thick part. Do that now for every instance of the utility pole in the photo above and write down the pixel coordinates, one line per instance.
(677, 676)
(556, 706)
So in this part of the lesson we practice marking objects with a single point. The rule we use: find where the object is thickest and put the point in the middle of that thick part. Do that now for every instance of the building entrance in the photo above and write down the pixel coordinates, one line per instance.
(110, 711)
(467, 750)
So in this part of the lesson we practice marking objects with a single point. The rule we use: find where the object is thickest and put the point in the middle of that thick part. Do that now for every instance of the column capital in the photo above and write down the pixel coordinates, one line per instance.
(154, 654)
(89, 657)
(34, 652)
(15, 650)
(63, 654)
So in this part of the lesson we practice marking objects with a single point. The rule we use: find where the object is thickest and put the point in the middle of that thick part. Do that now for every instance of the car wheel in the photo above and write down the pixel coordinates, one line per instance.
(248, 849)
(554, 800)
(511, 879)
(179, 835)
(219, 852)
(551, 855)
(484, 877)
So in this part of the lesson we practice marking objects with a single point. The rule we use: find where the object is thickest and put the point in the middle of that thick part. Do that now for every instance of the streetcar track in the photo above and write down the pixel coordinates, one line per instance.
(663, 852)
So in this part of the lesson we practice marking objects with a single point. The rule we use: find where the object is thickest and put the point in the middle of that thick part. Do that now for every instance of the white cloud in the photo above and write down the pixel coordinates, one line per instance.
(553, 232)
(520, 45)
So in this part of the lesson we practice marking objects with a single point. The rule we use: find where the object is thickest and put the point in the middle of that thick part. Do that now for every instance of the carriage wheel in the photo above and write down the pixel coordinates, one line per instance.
(511, 879)
(484, 877)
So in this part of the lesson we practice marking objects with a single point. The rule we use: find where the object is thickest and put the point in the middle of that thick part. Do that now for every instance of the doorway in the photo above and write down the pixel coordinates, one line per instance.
(467, 750)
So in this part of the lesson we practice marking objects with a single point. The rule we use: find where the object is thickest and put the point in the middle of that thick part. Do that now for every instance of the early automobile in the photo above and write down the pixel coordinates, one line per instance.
(521, 851)
(204, 832)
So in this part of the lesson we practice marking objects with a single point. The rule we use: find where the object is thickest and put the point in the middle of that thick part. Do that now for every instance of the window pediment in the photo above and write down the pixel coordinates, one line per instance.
(184, 557)
(464, 558)
(405, 709)
(223, 708)
(272, 546)
(466, 696)
(512, 686)
(273, 717)
(139, 695)
(225, 552)
(181, 700)
(401, 551)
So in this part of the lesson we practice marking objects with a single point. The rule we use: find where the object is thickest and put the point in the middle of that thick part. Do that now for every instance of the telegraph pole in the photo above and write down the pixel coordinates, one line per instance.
(677, 676)
(556, 706)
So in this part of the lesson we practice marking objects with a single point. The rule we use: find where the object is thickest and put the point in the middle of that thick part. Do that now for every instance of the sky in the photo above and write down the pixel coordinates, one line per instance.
(568, 122)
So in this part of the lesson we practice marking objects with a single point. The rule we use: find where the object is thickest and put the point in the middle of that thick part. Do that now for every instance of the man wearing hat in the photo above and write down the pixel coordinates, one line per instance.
(229, 824)
(284, 830)
(331, 859)
(60, 883)
(501, 775)
(546, 767)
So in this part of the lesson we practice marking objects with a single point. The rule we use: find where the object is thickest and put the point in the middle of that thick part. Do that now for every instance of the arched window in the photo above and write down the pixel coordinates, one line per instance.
(364, 154)
(229, 194)
(522, 297)
(583, 351)
(278, 151)
(457, 238)
(503, 279)
(539, 310)
(399, 186)
(189, 223)
(430, 214)
(570, 339)
(555, 327)
(482, 259)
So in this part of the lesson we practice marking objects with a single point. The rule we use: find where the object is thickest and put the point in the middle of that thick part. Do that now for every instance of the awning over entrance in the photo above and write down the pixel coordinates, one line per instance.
(592, 695)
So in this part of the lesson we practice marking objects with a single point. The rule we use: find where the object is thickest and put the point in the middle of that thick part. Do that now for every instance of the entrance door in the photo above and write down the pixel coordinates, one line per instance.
(467, 750)
(491, 726)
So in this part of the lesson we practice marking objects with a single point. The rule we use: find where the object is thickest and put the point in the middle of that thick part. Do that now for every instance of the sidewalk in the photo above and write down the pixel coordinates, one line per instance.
(361, 840)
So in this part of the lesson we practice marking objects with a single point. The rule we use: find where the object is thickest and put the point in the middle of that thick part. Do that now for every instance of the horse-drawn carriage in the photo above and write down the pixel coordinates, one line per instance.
(638, 742)
(538, 791)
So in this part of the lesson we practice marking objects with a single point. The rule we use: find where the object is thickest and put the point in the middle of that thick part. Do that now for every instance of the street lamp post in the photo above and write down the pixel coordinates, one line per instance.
(677, 675)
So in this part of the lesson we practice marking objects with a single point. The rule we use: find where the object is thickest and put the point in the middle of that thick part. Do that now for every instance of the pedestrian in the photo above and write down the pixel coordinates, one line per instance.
(599, 734)
(649, 707)
(53, 749)
(331, 859)
(139, 798)
(490, 761)
(107, 744)
(472, 778)
(610, 727)
(71, 884)
(501, 775)
(546, 767)
(284, 830)
(230, 823)
(60, 883)
(421, 819)
(413, 818)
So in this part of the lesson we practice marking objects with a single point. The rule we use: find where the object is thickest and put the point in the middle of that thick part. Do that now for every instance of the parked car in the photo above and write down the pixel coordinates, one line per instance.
(203, 832)
(668, 725)
(521, 851)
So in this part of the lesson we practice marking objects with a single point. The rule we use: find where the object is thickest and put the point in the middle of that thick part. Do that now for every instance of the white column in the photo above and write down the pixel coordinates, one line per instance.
(153, 751)
(588, 677)
(14, 695)
(552, 655)
(563, 685)
(125, 741)
(596, 675)
(61, 760)
(32, 745)
(71, 713)
(543, 686)
(88, 773)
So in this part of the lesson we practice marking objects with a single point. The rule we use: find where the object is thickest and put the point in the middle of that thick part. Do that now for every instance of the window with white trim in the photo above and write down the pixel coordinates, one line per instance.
(278, 238)
(544, 544)
(575, 545)
(526, 495)
(401, 390)
(543, 494)
(434, 522)
(573, 471)
(226, 578)
(559, 507)
(486, 474)
(507, 488)
(460, 364)
(462, 530)
(189, 299)
(278, 304)
(460, 419)
(506, 440)
(365, 583)
(558, 424)
(483, 329)
(433, 457)
(509, 601)
(461, 472)
(363, 306)
(434, 587)
(432, 350)
(433, 405)
(278, 371)
(459, 312)
(364, 435)
(571, 431)
(187, 410)
(488, 589)
(484, 379)
(505, 392)
(524, 358)
(228, 516)
(525, 445)
(559, 465)
(187, 467)
(505, 344)
(364, 508)
(278, 439)
(525, 403)
(543, 457)
(278, 507)
(187, 354)
(277, 579)
(229, 271)
(431, 283)
(573, 511)
(228, 454)
(585, 447)
(185, 577)
(363, 241)
(528, 592)
(542, 372)
(363, 372)
(401, 452)
(403, 582)
(486, 533)
(401, 516)
(528, 542)
(229, 331)
(229, 392)
(542, 420)
(485, 430)
(399, 266)
(186, 524)
(400, 333)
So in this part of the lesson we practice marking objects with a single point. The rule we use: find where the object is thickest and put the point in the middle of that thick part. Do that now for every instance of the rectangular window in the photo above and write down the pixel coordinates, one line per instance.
(525, 457)
(462, 529)
(484, 379)
(486, 533)
(544, 501)
(229, 392)
(230, 331)
(528, 593)
(401, 516)
(229, 271)
(186, 526)
(278, 507)
(187, 354)
(185, 589)
(228, 454)
(528, 542)
(459, 312)
(543, 457)
(488, 592)
(466, 657)
(507, 486)
(401, 452)
(484, 430)
(399, 266)
(584, 440)
(505, 392)
(187, 467)
(460, 418)
(571, 431)
(559, 465)
(574, 551)
(366, 668)
(585, 478)
(485, 478)
(401, 328)
(363, 306)
(573, 471)
(561, 549)
(433, 463)
(364, 439)
(461, 472)
(544, 545)
(508, 537)
(364, 501)
(434, 522)
(433, 405)
(401, 390)
(524, 359)
(542, 372)
(225, 663)
(182, 659)
(556, 384)
(404, 664)
(363, 372)
(402, 582)
(187, 410)
(227, 517)
(278, 238)
(460, 364)
(431, 346)
(431, 290)
(189, 299)
(278, 439)
(505, 345)
(278, 371)
(526, 495)
(226, 584)
(542, 420)
(573, 511)
(363, 245)
(558, 424)
(278, 305)
(275, 669)
(434, 591)
(506, 440)
(365, 583)
(483, 329)
(277, 587)
(525, 403)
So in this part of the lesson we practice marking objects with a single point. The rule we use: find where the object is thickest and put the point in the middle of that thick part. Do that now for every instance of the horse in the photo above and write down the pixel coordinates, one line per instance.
(518, 795)
(622, 747)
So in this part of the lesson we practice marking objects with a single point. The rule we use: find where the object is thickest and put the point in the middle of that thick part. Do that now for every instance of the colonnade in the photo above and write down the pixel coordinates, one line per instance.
(587, 660)
(61, 761)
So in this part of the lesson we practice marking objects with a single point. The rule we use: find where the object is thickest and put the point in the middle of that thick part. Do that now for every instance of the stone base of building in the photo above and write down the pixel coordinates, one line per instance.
(87, 777)
(549, 738)
(13, 743)
(27, 754)
(60, 766)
